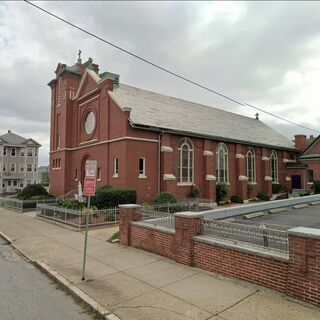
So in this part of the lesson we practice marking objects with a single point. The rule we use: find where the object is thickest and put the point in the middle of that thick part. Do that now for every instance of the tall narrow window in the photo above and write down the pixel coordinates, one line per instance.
(29, 152)
(76, 175)
(274, 166)
(13, 152)
(222, 163)
(13, 167)
(58, 141)
(251, 165)
(142, 167)
(59, 91)
(185, 161)
(22, 151)
(115, 167)
(29, 167)
(4, 151)
(98, 174)
(310, 175)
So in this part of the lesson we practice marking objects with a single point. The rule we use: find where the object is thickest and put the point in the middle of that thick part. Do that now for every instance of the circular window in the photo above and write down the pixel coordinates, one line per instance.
(90, 122)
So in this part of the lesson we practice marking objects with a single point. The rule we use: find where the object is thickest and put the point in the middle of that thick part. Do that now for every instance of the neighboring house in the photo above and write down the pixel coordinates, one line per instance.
(18, 162)
(152, 142)
(43, 174)
(310, 158)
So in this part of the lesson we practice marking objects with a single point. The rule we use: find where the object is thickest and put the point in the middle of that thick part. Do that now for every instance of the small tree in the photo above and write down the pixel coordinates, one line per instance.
(250, 190)
(221, 191)
(195, 190)
(316, 184)
(32, 190)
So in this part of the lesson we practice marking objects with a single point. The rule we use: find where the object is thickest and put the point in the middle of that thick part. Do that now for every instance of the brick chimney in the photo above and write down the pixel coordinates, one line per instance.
(300, 141)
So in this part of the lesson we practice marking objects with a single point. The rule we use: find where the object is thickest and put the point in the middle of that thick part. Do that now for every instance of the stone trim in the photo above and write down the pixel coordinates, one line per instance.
(207, 153)
(169, 177)
(243, 178)
(166, 149)
(242, 247)
(151, 227)
(129, 206)
(288, 179)
(304, 232)
(210, 177)
(265, 159)
(189, 214)
(239, 156)
(267, 178)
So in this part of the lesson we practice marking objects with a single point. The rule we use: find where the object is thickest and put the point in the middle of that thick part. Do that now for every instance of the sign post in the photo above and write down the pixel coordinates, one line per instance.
(89, 189)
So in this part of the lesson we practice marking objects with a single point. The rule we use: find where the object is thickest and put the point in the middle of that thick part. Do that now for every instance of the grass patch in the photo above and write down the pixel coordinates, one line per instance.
(115, 236)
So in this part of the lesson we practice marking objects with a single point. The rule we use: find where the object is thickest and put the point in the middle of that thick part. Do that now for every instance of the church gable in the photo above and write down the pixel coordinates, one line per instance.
(314, 147)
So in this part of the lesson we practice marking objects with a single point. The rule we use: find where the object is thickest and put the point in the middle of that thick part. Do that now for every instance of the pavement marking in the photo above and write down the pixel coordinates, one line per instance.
(254, 215)
(278, 210)
(301, 206)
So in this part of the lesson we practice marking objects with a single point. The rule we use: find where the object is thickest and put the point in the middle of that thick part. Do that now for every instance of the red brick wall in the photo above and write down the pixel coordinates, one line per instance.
(267, 272)
(153, 241)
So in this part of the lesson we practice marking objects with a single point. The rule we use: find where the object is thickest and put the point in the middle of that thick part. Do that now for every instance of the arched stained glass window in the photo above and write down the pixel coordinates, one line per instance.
(222, 163)
(185, 161)
(274, 166)
(251, 165)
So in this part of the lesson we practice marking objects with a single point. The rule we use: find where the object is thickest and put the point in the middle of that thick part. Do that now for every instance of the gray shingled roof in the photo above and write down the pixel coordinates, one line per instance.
(160, 111)
(12, 138)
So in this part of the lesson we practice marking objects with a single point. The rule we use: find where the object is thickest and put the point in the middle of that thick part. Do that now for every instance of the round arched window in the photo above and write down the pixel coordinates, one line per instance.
(90, 122)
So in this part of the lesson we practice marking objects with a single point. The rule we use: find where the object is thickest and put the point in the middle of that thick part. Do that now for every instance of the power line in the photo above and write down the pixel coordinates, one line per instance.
(165, 69)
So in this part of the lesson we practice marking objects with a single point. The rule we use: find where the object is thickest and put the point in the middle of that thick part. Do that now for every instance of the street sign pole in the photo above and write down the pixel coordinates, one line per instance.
(85, 241)
(89, 188)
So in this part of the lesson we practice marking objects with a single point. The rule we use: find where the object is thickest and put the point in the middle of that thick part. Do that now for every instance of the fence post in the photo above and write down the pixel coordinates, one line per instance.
(304, 264)
(127, 213)
(187, 225)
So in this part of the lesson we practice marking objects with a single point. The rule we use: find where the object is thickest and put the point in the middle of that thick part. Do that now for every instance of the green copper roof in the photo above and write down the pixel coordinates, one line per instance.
(114, 77)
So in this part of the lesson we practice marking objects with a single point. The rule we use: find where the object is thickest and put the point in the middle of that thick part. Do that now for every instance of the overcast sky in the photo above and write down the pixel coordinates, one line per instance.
(263, 53)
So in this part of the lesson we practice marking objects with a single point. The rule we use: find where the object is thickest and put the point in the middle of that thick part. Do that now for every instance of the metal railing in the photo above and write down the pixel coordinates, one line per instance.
(262, 237)
(22, 205)
(77, 219)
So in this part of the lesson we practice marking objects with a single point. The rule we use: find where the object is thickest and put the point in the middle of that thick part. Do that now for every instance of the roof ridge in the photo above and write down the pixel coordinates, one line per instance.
(192, 102)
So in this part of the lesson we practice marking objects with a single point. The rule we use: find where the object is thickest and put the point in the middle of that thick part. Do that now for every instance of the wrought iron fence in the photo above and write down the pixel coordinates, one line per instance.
(22, 205)
(271, 239)
(77, 219)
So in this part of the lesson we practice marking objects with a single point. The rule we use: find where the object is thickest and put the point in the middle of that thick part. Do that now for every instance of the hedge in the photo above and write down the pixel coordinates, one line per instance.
(221, 191)
(108, 197)
(165, 197)
(316, 184)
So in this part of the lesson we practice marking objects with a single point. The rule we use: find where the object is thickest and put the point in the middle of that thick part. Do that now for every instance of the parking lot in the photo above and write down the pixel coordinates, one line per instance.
(303, 217)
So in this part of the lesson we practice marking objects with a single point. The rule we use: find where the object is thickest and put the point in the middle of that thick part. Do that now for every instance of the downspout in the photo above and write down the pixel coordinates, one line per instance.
(159, 161)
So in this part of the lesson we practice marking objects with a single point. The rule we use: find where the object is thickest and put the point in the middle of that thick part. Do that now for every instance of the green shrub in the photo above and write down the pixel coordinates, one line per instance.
(276, 188)
(32, 190)
(107, 197)
(221, 191)
(236, 199)
(165, 197)
(250, 191)
(73, 204)
(304, 193)
(195, 190)
(263, 196)
(316, 185)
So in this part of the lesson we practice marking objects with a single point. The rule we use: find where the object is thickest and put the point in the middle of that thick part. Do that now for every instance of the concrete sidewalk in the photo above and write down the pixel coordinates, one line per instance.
(137, 285)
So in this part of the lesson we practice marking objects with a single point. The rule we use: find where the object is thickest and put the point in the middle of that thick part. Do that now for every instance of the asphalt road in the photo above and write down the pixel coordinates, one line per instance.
(26, 293)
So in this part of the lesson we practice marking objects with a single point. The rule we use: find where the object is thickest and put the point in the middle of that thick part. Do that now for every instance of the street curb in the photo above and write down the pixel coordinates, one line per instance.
(73, 290)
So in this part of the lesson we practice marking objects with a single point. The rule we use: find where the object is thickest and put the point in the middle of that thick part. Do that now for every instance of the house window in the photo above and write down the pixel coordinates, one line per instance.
(9, 183)
(142, 167)
(251, 165)
(35, 152)
(222, 163)
(13, 167)
(21, 184)
(274, 166)
(185, 161)
(22, 151)
(15, 183)
(4, 151)
(29, 152)
(21, 167)
(13, 152)
(310, 175)
(29, 167)
(28, 182)
(115, 167)
(4, 167)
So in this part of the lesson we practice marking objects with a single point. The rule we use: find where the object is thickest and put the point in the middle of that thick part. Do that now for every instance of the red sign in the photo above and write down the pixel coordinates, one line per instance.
(89, 186)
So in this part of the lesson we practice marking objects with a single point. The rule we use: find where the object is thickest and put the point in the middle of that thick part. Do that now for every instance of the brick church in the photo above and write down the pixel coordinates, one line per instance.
(153, 143)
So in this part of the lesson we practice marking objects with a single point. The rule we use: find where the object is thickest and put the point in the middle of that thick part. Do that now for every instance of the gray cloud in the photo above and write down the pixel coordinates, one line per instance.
(264, 53)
